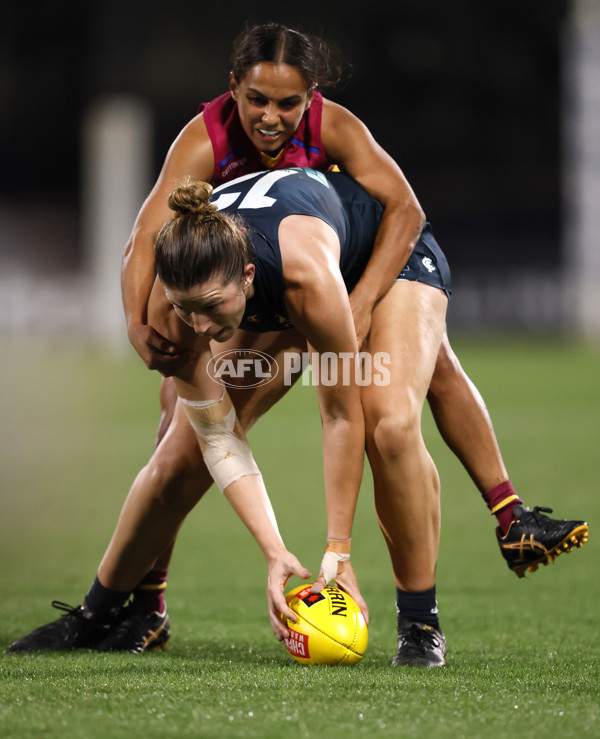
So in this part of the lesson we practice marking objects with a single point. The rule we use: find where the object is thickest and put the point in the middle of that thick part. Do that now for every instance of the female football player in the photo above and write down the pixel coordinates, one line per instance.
(303, 244)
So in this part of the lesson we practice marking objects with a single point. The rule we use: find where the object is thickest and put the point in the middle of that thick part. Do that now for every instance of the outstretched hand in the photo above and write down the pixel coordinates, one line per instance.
(346, 580)
(280, 571)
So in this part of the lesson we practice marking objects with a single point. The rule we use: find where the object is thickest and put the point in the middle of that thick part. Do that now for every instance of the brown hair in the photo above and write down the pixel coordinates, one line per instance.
(318, 62)
(199, 242)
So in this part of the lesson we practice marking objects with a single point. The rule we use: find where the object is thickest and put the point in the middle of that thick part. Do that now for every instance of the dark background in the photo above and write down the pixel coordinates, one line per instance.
(464, 95)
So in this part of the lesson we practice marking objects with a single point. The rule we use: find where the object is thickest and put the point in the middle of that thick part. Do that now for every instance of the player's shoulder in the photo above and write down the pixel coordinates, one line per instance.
(338, 124)
(192, 150)
(195, 129)
(334, 112)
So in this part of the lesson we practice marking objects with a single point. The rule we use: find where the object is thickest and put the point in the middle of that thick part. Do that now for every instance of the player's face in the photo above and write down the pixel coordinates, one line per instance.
(212, 308)
(272, 99)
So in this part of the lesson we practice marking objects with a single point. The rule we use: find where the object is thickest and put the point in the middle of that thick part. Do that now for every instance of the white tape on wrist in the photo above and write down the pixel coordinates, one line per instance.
(332, 564)
(227, 456)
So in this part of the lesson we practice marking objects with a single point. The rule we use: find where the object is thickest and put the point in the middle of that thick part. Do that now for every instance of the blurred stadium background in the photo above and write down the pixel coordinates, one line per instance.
(491, 109)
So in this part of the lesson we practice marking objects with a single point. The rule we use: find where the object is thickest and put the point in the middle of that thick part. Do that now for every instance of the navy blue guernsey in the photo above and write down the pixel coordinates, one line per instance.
(264, 199)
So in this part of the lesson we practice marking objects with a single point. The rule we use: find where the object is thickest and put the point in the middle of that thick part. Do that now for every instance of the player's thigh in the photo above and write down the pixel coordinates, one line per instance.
(178, 454)
(168, 401)
(448, 370)
(406, 333)
(257, 387)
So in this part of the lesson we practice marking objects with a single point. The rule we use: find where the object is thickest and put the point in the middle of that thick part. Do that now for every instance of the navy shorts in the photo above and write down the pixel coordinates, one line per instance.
(428, 264)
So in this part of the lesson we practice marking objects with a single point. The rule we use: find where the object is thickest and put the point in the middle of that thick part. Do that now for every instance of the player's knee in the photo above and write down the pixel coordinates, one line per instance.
(178, 478)
(395, 433)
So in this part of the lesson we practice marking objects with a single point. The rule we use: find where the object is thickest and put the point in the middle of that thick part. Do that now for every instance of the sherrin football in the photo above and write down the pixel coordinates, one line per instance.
(330, 630)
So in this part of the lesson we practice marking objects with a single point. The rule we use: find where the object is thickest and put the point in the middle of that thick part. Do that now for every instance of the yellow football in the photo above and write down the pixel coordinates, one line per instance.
(330, 630)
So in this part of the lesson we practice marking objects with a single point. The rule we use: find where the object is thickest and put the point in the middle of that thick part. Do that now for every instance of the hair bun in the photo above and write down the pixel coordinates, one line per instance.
(192, 197)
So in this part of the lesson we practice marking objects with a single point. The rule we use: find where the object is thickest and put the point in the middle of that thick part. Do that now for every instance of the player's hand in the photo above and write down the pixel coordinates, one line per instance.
(280, 571)
(361, 314)
(157, 352)
(348, 582)
(336, 567)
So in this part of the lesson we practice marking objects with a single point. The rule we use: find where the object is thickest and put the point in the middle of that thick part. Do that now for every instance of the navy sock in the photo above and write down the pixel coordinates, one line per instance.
(101, 604)
(421, 606)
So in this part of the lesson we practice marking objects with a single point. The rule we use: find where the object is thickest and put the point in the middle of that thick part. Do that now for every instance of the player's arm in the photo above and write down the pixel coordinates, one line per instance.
(190, 154)
(318, 305)
(348, 142)
(229, 460)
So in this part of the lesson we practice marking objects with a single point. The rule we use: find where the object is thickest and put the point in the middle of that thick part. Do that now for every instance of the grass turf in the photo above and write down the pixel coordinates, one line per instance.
(523, 654)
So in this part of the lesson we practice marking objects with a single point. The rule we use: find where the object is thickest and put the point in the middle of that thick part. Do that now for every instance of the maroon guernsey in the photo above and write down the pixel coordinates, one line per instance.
(236, 155)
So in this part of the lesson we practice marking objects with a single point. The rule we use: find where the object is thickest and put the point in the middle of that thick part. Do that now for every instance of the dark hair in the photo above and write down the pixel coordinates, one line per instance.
(317, 61)
(199, 242)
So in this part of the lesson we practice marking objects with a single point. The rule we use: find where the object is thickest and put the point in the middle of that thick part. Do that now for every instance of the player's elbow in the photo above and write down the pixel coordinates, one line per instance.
(419, 216)
(414, 217)
(406, 211)
(126, 254)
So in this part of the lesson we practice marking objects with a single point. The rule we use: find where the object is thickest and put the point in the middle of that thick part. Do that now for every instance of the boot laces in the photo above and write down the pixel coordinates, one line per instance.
(69, 610)
(422, 639)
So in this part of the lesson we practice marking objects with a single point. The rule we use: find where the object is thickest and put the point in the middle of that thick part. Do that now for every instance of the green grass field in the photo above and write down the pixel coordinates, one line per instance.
(523, 654)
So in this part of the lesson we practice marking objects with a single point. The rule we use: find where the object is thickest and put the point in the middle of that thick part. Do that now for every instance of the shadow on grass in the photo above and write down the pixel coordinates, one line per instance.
(215, 653)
